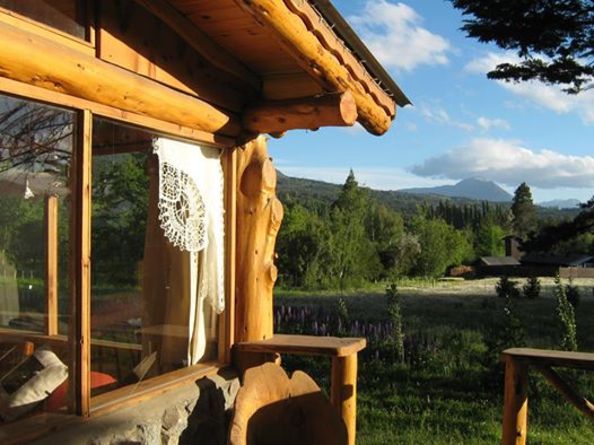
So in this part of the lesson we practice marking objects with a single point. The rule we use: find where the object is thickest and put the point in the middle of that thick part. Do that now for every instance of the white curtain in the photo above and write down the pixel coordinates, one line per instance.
(191, 214)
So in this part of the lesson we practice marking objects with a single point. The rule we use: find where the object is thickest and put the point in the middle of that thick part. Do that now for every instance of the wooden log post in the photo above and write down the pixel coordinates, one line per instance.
(515, 405)
(259, 215)
(343, 392)
(310, 113)
(51, 265)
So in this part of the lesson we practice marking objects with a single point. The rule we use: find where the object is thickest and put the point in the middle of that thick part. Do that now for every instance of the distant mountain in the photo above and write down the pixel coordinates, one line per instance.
(312, 194)
(561, 203)
(310, 191)
(472, 188)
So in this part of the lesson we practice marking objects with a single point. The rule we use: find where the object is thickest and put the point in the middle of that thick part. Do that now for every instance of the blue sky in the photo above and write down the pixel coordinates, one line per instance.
(461, 124)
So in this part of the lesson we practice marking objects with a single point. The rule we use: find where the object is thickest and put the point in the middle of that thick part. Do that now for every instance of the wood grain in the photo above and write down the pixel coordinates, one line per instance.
(61, 69)
(259, 215)
(309, 113)
(305, 345)
(51, 265)
(542, 357)
(291, 21)
(515, 404)
(79, 332)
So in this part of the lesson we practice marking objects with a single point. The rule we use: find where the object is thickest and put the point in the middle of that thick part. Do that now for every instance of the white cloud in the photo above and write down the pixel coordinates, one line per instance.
(438, 115)
(378, 178)
(394, 34)
(486, 124)
(489, 61)
(510, 163)
(547, 96)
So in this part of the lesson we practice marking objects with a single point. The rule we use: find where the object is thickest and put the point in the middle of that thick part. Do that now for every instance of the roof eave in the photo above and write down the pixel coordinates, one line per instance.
(355, 44)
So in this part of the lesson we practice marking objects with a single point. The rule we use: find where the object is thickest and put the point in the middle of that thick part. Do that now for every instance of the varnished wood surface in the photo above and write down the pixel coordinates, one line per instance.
(272, 408)
(51, 265)
(79, 333)
(319, 52)
(37, 93)
(515, 403)
(259, 216)
(61, 69)
(308, 113)
(60, 341)
(581, 360)
(305, 345)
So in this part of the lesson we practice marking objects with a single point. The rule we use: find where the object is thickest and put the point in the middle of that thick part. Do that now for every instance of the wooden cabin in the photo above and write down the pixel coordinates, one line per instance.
(138, 213)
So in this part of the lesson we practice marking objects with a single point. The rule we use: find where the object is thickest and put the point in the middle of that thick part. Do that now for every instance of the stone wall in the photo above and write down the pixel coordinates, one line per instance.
(194, 414)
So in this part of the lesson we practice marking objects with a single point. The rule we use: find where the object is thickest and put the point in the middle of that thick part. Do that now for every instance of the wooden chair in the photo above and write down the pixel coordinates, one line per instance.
(272, 408)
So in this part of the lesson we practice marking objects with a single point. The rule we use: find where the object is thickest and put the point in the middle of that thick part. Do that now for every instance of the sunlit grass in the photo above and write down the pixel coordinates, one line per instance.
(448, 395)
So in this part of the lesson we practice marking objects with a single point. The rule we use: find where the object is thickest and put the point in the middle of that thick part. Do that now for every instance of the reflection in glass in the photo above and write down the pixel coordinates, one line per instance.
(65, 15)
(36, 143)
(140, 281)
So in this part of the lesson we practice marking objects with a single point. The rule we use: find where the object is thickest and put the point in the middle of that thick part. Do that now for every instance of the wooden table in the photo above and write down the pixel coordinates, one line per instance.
(342, 351)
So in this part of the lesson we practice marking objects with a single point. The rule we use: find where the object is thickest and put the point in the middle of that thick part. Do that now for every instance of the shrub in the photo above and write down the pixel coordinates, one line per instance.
(507, 332)
(395, 313)
(505, 288)
(343, 319)
(573, 293)
(531, 289)
(566, 315)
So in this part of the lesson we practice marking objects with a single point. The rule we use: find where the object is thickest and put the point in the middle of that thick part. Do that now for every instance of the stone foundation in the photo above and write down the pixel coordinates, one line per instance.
(197, 414)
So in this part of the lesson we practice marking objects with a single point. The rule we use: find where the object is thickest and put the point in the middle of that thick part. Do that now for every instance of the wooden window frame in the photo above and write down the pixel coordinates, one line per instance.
(79, 339)
(29, 24)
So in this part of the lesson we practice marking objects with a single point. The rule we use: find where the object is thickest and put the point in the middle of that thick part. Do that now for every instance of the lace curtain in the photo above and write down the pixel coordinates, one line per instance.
(191, 215)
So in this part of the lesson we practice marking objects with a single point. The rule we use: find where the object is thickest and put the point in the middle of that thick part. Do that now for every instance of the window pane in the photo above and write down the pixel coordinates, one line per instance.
(65, 15)
(36, 143)
(140, 281)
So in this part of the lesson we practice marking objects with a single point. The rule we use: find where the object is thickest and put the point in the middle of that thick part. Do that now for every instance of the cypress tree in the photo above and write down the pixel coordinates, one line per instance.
(523, 211)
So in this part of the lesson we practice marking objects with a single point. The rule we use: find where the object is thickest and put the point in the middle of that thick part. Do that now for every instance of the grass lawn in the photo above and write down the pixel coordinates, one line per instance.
(449, 388)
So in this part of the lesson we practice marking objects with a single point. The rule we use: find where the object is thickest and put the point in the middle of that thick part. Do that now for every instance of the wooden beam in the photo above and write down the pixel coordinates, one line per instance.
(79, 332)
(337, 109)
(290, 86)
(51, 265)
(198, 40)
(58, 68)
(227, 319)
(305, 345)
(10, 86)
(333, 67)
(544, 357)
(580, 403)
(515, 404)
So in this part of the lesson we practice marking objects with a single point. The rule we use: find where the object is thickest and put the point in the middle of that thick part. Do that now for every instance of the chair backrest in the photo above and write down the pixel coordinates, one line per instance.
(271, 408)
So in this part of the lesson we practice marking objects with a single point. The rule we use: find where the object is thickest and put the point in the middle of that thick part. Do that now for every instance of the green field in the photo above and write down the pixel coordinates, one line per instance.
(449, 388)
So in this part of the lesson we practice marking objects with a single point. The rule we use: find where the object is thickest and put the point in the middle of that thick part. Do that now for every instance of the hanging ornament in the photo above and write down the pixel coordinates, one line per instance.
(28, 192)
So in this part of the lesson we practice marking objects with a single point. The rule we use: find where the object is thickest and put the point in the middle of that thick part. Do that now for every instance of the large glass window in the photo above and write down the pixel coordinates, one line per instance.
(36, 144)
(65, 15)
(146, 319)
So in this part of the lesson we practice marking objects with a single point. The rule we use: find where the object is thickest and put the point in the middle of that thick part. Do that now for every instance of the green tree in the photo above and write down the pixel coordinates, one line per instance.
(385, 230)
(553, 38)
(489, 239)
(565, 232)
(441, 246)
(523, 211)
(120, 203)
(303, 246)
